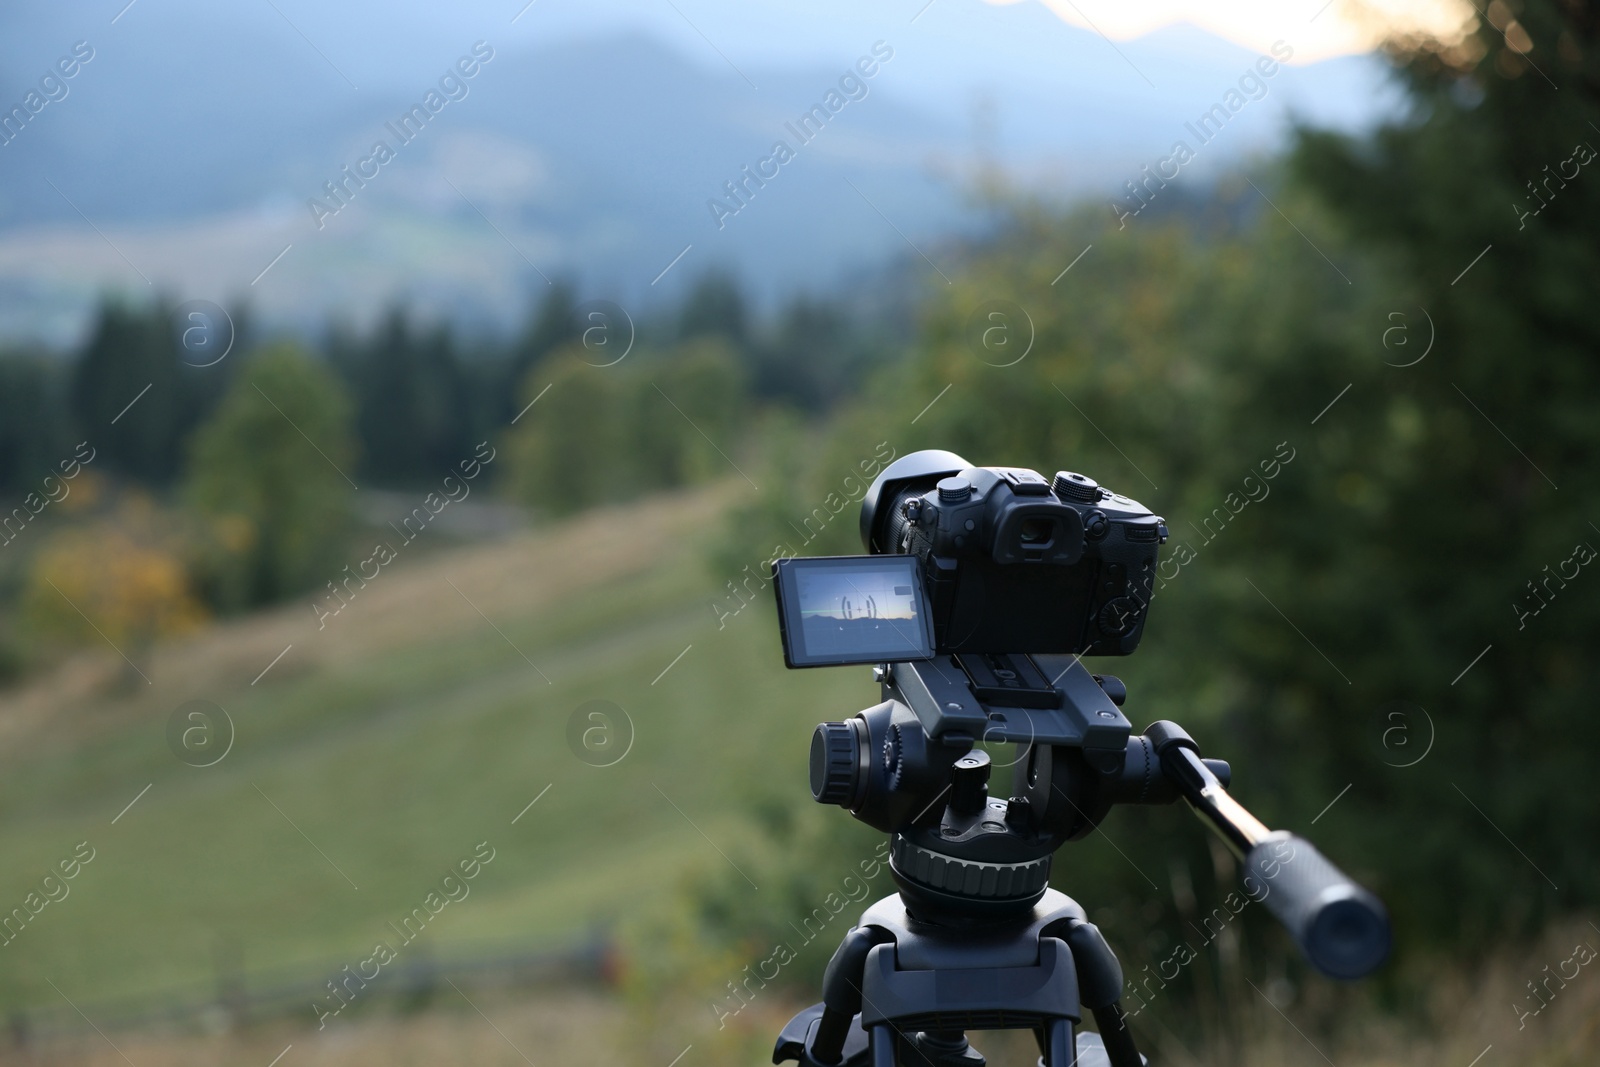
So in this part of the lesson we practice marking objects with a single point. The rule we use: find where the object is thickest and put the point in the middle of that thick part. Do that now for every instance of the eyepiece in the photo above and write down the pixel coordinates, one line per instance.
(1036, 531)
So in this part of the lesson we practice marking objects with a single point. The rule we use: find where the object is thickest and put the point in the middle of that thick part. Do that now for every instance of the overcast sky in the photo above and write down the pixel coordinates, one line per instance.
(365, 36)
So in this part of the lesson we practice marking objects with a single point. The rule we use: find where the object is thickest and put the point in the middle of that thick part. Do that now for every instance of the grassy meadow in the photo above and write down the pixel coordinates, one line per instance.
(407, 731)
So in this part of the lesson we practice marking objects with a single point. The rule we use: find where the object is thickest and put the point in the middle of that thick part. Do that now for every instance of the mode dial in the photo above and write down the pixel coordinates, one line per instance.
(954, 490)
(1078, 488)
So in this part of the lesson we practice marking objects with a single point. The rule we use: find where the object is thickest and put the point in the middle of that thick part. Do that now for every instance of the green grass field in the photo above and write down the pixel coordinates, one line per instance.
(408, 731)
(396, 740)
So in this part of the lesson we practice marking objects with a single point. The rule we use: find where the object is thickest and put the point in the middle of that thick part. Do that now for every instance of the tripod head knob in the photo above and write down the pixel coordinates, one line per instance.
(969, 783)
(834, 762)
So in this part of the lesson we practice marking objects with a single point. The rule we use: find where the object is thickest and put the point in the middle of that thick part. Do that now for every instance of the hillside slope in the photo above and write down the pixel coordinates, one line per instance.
(382, 749)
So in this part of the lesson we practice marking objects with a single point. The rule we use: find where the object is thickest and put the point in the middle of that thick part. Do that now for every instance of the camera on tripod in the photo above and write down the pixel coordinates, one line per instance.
(983, 589)
(995, 560)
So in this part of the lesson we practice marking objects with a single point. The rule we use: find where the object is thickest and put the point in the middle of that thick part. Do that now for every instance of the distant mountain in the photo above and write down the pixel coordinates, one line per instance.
(193, 148)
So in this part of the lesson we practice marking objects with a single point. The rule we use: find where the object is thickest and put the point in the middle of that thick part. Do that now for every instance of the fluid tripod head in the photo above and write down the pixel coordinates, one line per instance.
(1001, 582)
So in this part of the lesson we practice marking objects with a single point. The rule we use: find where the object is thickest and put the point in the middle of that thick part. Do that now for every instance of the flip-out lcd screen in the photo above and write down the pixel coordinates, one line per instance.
(852, 609)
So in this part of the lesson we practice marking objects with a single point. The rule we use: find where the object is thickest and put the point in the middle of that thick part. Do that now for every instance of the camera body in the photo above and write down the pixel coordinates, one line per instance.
(1013, 562)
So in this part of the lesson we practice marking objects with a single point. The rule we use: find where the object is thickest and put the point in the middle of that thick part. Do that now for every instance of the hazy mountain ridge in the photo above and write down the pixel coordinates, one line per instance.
(598, 157)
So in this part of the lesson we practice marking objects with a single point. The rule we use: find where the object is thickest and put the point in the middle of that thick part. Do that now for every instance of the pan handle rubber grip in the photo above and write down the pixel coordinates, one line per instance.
(1342, 928)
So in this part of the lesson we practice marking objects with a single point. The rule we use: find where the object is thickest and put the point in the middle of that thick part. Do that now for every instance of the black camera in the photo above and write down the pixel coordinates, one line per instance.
(976, 560)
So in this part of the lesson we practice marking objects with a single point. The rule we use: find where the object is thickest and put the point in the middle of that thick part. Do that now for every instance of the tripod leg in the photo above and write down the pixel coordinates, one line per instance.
(1100, 989)
(841, 993)
(1061, 1050)
(1116, 1036)
(882, 1044)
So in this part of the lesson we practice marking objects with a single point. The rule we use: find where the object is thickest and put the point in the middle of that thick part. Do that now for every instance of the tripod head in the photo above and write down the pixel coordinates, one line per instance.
(967, 853)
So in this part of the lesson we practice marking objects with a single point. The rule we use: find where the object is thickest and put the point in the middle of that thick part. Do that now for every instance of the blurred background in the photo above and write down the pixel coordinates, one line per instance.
(400, 406)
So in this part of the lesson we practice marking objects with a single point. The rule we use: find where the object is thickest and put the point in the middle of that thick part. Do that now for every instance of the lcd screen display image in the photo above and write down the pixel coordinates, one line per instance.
(853, 610)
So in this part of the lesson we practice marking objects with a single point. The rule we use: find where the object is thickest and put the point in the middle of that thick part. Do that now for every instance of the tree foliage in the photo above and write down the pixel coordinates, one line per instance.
(413, 397)
(597, 434)
(267, 468)
(132, 395)
(1388, 634)
(120, 579)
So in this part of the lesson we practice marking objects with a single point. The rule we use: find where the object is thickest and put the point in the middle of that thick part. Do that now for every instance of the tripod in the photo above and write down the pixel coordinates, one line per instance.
(975, 939)
(899, 991)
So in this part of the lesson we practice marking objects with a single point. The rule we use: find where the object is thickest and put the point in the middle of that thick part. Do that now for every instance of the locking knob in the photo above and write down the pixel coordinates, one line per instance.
(969, 783)
(834, 763)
